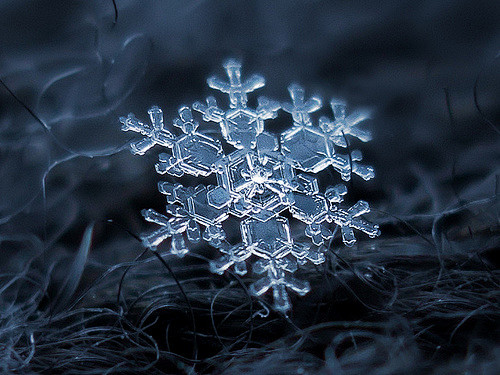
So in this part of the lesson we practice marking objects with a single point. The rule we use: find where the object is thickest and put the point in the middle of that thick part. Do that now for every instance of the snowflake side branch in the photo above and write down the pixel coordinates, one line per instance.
(155, 133)
(342, 125)
(300, 109)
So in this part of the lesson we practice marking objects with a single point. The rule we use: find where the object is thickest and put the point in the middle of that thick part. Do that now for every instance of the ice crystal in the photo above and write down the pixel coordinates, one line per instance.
(263, 177)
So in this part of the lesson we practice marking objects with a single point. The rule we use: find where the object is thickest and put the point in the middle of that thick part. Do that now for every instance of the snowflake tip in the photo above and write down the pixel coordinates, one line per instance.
(299, 108)
(156, 116)
(335, 194)
(232, 64)
(296, 92)
(339, 107)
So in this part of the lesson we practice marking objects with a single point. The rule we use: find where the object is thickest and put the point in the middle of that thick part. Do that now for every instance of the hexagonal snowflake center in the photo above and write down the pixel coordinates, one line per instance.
(259, 174)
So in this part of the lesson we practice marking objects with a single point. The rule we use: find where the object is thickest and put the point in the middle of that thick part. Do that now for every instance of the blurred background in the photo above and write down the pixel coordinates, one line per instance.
(428, 288)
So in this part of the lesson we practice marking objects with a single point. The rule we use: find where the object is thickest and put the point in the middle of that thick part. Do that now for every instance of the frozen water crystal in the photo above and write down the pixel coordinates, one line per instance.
(260, 179)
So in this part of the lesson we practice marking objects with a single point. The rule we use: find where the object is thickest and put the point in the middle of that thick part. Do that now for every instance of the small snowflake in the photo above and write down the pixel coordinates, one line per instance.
(260, 179)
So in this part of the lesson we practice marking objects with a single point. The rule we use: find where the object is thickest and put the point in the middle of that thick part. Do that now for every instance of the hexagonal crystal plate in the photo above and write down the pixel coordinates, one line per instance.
(306, 148)
(270, 239)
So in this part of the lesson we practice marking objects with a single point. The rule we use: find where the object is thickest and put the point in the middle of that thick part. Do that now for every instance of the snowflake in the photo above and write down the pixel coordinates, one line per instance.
(263, 177)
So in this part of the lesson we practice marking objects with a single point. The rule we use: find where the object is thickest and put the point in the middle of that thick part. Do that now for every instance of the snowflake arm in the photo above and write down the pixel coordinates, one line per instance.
(210, 111)
(236, 89)
(204, 205)
(170, 227)
(343, 125)
(347, 166)
(300, 109)
(267, 108)
(350, 219)
(278, 279)
(315, 209)
(233, 256)
(192, 153)
(154, 133)
(240, 125)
